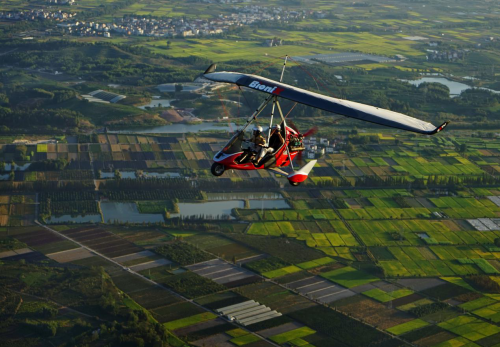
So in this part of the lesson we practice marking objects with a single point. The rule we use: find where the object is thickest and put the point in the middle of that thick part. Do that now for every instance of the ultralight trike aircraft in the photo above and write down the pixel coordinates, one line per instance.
(283, 142)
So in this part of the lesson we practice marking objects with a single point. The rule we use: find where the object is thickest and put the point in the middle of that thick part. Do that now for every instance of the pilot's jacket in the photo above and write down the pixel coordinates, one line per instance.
(258, 140)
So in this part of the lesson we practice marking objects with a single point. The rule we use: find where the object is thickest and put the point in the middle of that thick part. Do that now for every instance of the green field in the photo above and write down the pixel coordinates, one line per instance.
(349, 277)
(407, 327)
(292, 335)
(185, 322)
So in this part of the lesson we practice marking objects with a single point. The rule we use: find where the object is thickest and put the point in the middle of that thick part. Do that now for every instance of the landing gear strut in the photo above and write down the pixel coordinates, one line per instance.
(295, 184)
(217, 169)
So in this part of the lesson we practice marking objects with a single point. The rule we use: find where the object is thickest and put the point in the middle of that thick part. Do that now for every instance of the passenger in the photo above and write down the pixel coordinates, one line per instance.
(277, 141)
(276, 138)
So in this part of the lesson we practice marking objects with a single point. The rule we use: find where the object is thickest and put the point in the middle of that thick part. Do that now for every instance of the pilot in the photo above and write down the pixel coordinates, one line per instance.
(257, 139)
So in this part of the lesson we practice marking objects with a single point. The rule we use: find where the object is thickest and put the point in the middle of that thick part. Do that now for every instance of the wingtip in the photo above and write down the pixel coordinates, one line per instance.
(210, 69)
(440, 128)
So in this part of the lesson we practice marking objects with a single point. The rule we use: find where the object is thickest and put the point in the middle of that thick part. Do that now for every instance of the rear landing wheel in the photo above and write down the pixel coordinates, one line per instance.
(295, 184)
(217, 169)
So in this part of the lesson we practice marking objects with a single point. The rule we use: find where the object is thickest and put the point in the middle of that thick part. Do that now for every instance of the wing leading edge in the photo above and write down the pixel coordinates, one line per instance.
(343, 107)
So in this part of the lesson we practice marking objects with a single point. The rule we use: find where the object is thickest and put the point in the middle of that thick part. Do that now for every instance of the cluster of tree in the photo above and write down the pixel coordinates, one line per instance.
(105, 9)
(483, 283)
(45, 329)
(342, 329)
(289, 250)
(423, 310)
(450, 182)
(91, 60)
(401, 201)
(93, 291)
(46, 186)
(225, 184)
(265, 265)
(147, 184)
(36, 119)
(154, 194)
(183, 253)
(363, 140)
(193, 285)
(74, 208)
(49, 165)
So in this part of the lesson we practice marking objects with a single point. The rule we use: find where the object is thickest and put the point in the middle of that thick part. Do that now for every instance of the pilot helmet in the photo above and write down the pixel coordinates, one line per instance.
(257, 129)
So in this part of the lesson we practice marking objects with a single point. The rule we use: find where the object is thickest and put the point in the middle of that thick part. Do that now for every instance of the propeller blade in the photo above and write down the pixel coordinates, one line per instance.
(311, 131)
(293, 126)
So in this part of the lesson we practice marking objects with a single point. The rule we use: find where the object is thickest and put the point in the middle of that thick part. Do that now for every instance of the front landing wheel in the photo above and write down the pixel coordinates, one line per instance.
(217, 169)
(295, 184)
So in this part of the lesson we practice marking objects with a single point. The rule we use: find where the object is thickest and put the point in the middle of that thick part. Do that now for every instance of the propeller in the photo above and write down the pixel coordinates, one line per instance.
(311, 131)
(293, 126)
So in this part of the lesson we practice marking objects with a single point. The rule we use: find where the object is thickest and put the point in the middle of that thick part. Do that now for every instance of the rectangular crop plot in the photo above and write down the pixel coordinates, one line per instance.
(184, 322)
(244, 340)
(220, 271)
(383, 296)
(349, 277)
(133, 256)
(315, 263)
(292, 335)
(70, 255)
(320, 289)
(153, 297)
(281, 272)
(151, 264)
(469, 327)
(407, 327)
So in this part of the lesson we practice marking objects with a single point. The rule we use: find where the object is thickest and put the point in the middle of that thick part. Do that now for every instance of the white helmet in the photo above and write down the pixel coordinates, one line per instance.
(257, 128)
(278, 127)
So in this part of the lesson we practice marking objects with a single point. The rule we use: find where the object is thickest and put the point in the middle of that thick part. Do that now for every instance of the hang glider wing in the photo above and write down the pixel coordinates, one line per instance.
(342, 107)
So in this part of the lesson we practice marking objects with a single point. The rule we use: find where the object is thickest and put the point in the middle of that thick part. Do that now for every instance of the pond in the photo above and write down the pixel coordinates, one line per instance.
(456, 88)
(157, 103)
(160, 174)
(131, 174)
(89, 218)
(243, 196)
(218, 209)
(186, 87)
(423, 235)
(269, 204)
(178, 128)
(126, 212)
(215, 209)
(125, 174)
(8, 167)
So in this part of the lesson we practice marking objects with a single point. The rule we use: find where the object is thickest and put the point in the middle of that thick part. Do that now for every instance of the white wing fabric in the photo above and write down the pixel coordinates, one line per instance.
(342, 107)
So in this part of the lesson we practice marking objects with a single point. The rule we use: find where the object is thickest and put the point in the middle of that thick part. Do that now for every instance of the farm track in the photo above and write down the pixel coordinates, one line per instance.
(124, 268)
